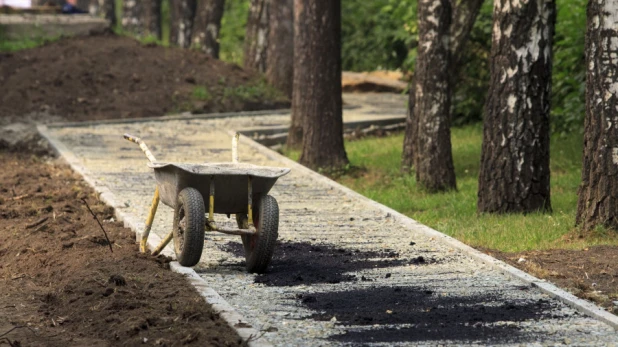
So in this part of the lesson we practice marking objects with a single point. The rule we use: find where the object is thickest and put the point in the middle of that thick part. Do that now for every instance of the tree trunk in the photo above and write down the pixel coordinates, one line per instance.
(256, 39)
(206, 26)
(142, 18)
(105, 9)
(514, 172)
(317, 82)
(280, 52)
(598, 194)
(462, 20)
(151, 18)
(434, 160)
(181, 22)
(131, 16)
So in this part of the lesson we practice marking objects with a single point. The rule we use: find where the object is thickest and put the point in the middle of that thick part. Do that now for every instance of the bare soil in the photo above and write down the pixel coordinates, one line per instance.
(105, 76)
(591, 273)
(61, 285)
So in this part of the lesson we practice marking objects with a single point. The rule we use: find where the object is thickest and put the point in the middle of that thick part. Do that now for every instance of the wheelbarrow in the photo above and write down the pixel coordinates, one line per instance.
(241, 189)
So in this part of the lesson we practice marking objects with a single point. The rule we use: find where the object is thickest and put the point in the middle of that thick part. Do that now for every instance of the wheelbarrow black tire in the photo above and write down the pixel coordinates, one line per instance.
(260, 247)
(189, 235)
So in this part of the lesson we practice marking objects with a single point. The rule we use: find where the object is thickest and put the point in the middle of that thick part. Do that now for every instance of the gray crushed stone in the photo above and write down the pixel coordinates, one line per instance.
(317, 214)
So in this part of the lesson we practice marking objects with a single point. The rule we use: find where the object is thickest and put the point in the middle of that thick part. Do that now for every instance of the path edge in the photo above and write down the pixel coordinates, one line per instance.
(550, 289)
(251, 336)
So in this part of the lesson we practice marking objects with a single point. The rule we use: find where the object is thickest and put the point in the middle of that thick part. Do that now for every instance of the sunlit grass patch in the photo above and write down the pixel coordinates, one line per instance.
(454, 213)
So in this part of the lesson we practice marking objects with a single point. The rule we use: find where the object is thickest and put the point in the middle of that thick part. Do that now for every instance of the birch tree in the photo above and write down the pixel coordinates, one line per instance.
(316, 97)
(206, 26)
(598, 193)
(256, 39)
(432, 94)
(514, 172)
(142, 18)
(182, 13)
(464, 14)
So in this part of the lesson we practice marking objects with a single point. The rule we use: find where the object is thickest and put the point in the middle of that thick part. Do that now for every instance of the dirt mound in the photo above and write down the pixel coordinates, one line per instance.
(108, 76)
(62, 286)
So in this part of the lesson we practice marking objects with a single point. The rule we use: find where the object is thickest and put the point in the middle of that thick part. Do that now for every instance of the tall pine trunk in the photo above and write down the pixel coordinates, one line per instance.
(434, 160)
(317, 82)
(598, 193)
(256, 39)
(464, 15)
(514, 172)
(206, 26)
(181, 22)
(280, 63)
(142, 18)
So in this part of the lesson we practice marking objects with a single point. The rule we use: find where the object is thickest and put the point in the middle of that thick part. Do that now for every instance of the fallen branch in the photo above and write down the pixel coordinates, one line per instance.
(101, 225)
(37, 223)
(20, 197)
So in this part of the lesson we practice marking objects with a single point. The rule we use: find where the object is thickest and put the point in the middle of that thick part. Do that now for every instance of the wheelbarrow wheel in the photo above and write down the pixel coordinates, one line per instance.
(259, 248)
(189, 227)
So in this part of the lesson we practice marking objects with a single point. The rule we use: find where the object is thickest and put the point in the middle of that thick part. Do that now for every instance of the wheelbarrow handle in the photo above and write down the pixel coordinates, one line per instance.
(142, 145)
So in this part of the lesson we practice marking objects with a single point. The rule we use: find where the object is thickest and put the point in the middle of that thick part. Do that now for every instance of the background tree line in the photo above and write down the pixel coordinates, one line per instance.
(507, 63)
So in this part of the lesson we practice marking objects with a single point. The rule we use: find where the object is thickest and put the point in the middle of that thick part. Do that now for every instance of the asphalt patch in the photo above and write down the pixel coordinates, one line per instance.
(302, 263)
(420, 314)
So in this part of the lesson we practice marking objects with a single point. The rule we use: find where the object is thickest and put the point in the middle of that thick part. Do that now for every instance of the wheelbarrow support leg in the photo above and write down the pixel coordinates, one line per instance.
(210, 223)
(163, 243)
(250, 205)
(153, 210)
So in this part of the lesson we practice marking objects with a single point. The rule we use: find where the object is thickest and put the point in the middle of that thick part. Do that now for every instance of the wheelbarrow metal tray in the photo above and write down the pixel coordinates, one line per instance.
(231, 189)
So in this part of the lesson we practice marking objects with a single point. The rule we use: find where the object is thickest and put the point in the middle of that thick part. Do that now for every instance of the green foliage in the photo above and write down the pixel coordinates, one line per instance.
(377, 34)
(454, 213)
(257, 90)
(17, 45)
(201, 93)
(232, 35)
(569, 70)
(383, 34)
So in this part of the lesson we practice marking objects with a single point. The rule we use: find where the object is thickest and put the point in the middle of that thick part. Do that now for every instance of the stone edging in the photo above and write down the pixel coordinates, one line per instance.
(251, 336)
(545, 287)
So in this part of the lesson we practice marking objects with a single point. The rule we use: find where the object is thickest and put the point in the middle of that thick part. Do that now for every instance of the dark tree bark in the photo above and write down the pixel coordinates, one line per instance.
(317, 82)
(464, 15)
(142, 18)
(256, 39)
(598, 192)
(182, 13)
(280, 52)
(131, 19)
(434, 160)
(206, 26)
(105, 9)
(514, 172)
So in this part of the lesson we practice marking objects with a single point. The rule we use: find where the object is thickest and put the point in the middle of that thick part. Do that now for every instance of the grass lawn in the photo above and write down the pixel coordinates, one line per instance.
(454, 213)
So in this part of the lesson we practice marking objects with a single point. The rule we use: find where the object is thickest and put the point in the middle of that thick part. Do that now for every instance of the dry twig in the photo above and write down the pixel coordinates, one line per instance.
(101, 225)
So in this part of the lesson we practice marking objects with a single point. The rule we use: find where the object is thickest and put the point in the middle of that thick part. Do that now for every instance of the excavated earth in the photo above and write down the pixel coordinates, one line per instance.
(61, 285)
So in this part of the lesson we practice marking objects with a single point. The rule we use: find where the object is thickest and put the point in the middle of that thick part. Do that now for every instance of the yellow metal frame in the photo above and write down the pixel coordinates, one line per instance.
(143, 245)
(210, 222)
(250, 204)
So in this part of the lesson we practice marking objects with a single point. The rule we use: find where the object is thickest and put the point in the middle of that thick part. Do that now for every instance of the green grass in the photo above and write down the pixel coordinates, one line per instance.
(454, 213)
(259, 89)
(25, 43)
(201, 93)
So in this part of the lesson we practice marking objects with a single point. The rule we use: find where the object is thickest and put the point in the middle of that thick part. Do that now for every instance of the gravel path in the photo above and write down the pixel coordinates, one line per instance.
(344, 272)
